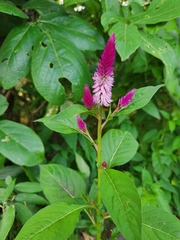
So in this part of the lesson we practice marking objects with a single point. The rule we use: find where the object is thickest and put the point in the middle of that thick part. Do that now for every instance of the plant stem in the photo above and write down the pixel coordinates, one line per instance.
(99, 163)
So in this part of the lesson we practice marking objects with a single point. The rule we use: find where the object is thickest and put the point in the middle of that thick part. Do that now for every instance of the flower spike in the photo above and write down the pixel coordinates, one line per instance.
(87, 97)
(125, 100)
(104, 76)
(81, 124)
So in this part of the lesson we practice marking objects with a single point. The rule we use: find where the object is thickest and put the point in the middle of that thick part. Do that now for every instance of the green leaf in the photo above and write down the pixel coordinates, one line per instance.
(141, 97)
(10, 8)
(8, 191)
(57, 62)
(162, 50)
(77, 31)
(158, 11)
(31, 198)
(122, 201)
(20, 144)
(108, 18)
(60, 183)
(82, 165)
(152, 110)
(71, 2)
(176, 143)
(150, 136)
(12, 171)
(3, 104)
(118, 147)
(28, 187)
(15, 54)
(23, 213)
(127, 39)
(7, 221)
(110, 6)
(159, 225)
(53, 222)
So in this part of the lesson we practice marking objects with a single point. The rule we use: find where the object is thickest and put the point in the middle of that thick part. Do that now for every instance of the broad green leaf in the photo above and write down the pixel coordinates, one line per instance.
(53, 222)
(159, 225)
(152, 110)
(65, 121)
(71, 2)
(82, 165)
(122, 201)
(77, 31)
(162, 50)
(108, 18)
(141, 97)
(110, 6)
(9, 8)
(20, 144)
(15, 54)
(28, 187)
(30, 198)
(44, 7)
(127, 39)
(118, 147)
(3, 104)
(176, 143)
(150, 136)
(23, 212)
(61, 184)
(7, 221)
(59, 63)
(8, 191)
(12, 171)
(158, 11)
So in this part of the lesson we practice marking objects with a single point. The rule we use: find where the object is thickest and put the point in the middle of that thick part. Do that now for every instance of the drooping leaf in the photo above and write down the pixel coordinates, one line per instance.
(108, 18)
(118, 147)
(61, 184)
(8, 190)
(12, 171)
(158, 11)
(122, 201)
(3, 104)
(15, 54)
(141, 97)
(79, 32)
(23, 213)
(110, 6)
(71, 2)
(28, 187)
(127, 39)
(152, 110)
(82, 165)
(159, 225)
(20, 144)
(7, 222)
(56, 221)
(59, 63)
(10, 8)
(31, 198)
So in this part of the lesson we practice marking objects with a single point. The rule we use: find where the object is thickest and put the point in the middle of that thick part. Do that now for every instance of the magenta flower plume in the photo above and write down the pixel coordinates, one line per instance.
(125, 100)
(104, 76)
(81, 124)
(87, 97)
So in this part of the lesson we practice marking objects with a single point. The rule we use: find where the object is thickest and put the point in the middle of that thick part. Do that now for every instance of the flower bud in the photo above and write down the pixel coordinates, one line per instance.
(81, 124)
(87, 97)
(125, 100)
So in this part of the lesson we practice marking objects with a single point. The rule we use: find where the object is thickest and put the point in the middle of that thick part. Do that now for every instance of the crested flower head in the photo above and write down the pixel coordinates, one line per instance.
(125, 100)
(104, 77)
(81, 124)
(87, 97)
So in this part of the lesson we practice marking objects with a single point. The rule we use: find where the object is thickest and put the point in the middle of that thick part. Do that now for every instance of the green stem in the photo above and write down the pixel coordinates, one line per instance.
(99, 163)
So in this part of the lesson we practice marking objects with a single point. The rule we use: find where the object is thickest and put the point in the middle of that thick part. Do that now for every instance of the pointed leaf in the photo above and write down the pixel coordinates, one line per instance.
(58, 61)
(31, 198)
(20, 144)
(118, 147)
(8, 191)
(159, 225)
(152, 110)
(10, 8)
(158, 11)
(79, 32)
(82, 165)
(122, 201)
(71, 2)
(53, 222)
(108, 18)
(3, 104)
(127, 39)
(15, 54)
(7, 221)
(141, 97)
(28, 187)
(61, 184)
(23, 213)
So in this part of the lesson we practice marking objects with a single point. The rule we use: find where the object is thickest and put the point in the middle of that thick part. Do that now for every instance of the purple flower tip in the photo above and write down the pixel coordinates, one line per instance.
(104, 77)
(87, 97)
(125, 100)
(81, 123)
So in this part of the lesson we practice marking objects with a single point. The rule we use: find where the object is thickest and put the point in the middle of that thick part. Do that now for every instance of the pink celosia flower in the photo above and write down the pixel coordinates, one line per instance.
(104, 77)
(125, 100)
(81, 124)
(87, 97)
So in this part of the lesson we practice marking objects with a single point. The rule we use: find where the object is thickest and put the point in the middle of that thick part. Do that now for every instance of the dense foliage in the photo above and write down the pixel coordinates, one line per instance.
(49, 51)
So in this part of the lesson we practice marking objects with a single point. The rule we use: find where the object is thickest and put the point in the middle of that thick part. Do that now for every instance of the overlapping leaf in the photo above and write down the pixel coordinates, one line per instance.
(7, 222)
(10, 8)
(3, 104)
(118, 147)
(20, 144)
